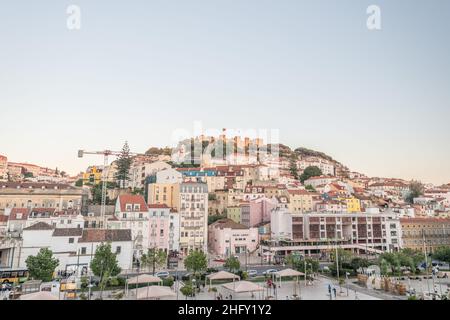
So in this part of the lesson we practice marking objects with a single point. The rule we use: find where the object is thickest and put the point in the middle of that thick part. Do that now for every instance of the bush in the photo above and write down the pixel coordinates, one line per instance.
(187, 290)
(113, 282)
(242, 274)
(168, 282)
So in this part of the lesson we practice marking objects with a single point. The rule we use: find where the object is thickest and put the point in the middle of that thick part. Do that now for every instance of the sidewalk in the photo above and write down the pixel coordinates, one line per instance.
(373, 293)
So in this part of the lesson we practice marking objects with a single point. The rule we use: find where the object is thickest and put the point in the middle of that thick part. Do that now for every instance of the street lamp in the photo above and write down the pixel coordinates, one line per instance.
(346, 280)
(194, 286)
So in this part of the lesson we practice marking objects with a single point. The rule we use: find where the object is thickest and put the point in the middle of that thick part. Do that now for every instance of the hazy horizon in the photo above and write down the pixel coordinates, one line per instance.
(376, 101)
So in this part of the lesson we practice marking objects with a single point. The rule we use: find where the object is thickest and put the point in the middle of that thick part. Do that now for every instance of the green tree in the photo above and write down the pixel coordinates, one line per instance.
(416, 189)
(311, 171)
(96, 192)
(196, 262)
(298, 262)
(42, 266)
(442, 254)
(358, 263)
(232, 264)
(123, 166)
(79, 183)
(293, 260)
(28, 175)
(154, 258)
(310, 188)
(293, 166)
(104, 264)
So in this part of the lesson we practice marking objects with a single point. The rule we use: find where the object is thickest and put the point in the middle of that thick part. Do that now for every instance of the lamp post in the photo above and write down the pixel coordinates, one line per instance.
(346, 281)
(194, 286)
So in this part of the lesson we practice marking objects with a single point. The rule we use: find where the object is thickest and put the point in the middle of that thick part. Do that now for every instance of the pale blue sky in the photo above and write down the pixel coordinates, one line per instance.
(378, 101)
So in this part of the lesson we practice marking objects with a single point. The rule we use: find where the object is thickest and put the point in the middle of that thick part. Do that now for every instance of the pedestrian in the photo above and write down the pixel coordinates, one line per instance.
(334, 291)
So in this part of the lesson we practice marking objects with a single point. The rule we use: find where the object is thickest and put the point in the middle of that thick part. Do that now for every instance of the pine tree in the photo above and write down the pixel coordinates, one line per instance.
(123, 166)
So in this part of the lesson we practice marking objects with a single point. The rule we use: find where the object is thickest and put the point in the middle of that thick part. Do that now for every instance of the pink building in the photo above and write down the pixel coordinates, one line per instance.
(158, 233)
(257, 211)
(226, 237)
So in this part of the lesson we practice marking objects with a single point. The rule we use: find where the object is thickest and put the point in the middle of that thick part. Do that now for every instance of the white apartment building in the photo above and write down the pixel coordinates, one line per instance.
(281, 224)
(169, 176)
(325, 166)
(193, 217)
(132, 213)
(74, 247)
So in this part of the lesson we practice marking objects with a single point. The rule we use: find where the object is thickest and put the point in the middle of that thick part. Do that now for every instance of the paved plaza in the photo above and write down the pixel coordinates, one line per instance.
(316, 291)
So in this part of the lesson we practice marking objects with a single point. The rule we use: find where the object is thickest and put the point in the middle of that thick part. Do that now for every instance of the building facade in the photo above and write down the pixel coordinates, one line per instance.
(425, 234)
(193, 210)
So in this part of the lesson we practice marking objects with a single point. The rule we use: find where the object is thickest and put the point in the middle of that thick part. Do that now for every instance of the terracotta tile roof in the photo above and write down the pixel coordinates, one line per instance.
(36, 185)
(3, 218)
(15, 211)
(67, 232)
(132, 199)
(227, 223)
(105, 235)
(40, 226)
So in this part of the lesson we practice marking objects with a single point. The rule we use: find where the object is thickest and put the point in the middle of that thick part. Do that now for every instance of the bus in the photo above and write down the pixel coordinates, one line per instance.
(13, 275)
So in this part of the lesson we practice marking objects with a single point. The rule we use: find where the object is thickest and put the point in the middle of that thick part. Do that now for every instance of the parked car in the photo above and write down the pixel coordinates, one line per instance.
(163, 274)
(269, 272)
(252, 273)
(186, 276)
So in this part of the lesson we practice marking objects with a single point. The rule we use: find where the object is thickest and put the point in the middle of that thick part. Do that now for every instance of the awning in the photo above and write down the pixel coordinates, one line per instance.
(152, 292)
(41, 295)
(222, 275)
(289, 273)
(243, 286)
(143, 278)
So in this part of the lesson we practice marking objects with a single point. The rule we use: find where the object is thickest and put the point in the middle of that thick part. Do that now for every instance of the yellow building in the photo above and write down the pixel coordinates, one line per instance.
(93, 175)
(164, 193)
(300, 201)
(234, 213)
(353, 204)
(425, 233)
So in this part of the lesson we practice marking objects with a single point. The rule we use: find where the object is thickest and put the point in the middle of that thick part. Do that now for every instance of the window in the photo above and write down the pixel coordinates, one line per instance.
(124, 215)
(83, 250)
(71, 240)
(140, 216)
(118, 249)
